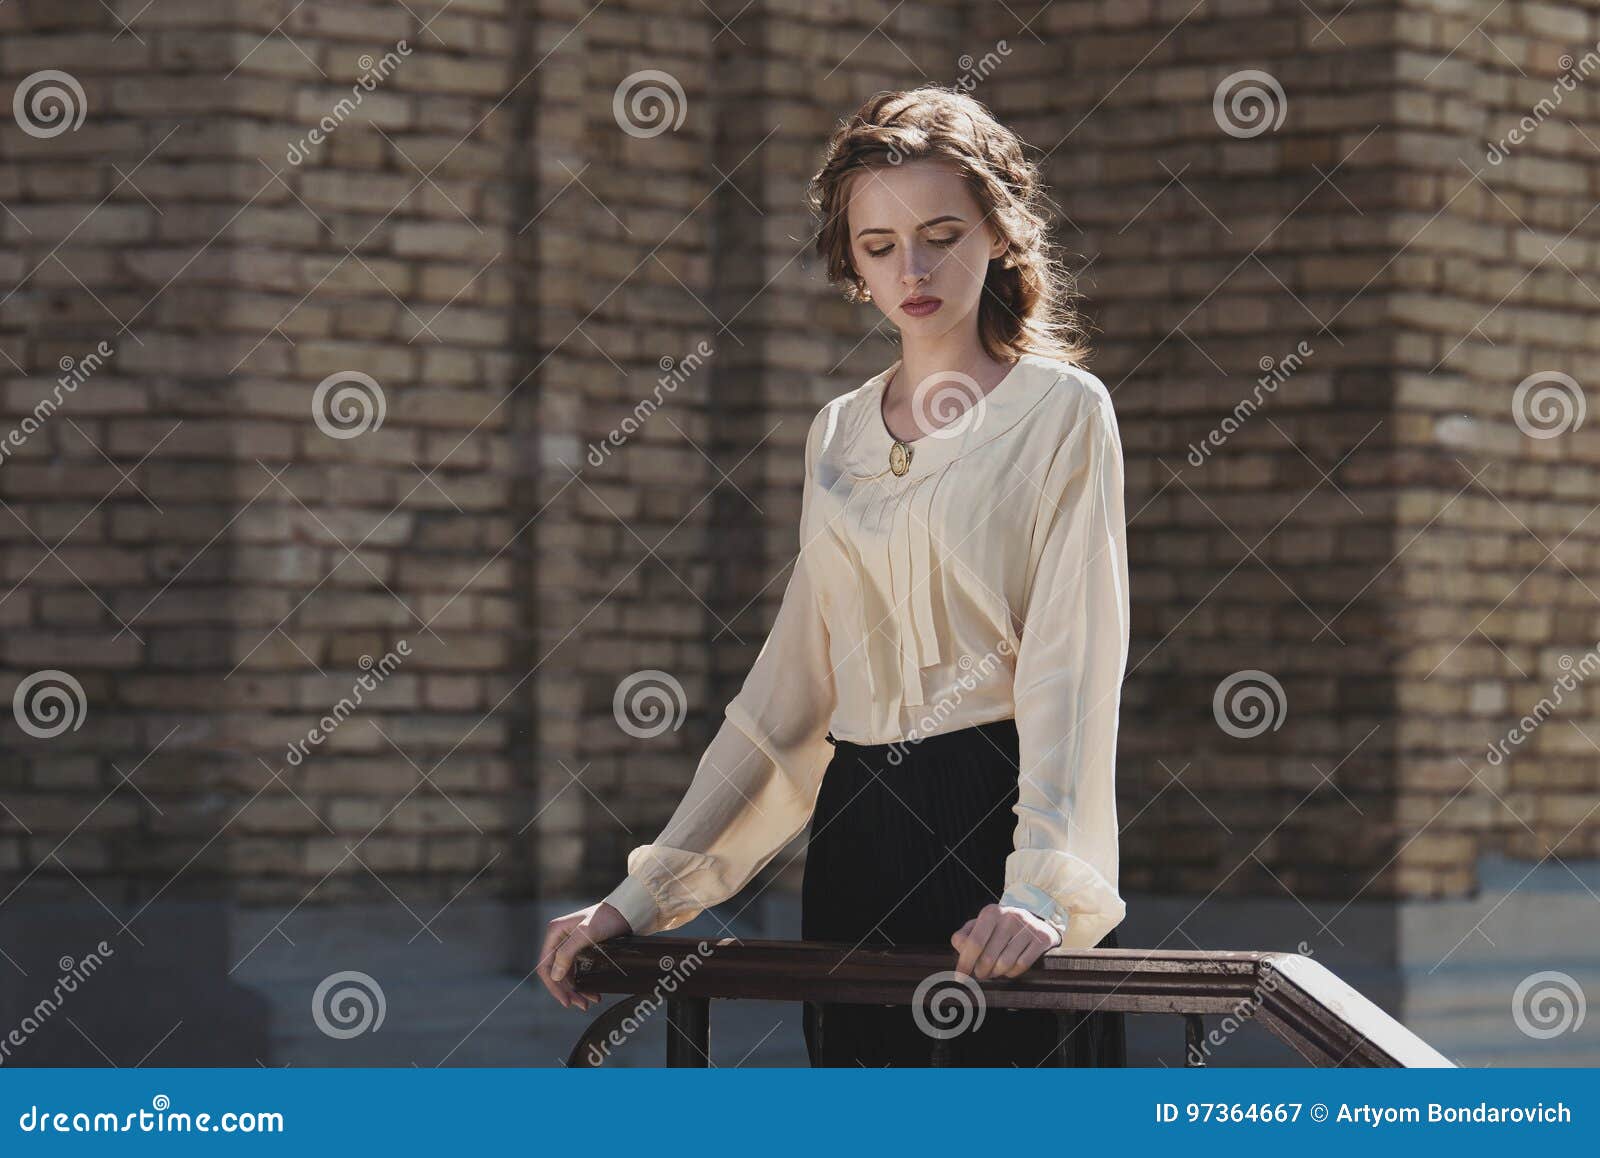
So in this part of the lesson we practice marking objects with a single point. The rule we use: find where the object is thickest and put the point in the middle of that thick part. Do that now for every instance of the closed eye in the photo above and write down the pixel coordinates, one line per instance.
(941, 242)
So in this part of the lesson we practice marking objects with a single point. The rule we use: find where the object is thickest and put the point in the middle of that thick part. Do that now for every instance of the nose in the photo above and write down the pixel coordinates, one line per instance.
(920, 261)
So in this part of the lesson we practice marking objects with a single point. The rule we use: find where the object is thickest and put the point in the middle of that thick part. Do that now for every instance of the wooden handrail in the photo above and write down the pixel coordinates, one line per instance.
(1296, 998)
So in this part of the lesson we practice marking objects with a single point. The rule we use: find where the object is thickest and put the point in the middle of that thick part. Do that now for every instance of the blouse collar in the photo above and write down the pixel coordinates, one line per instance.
(866, 454)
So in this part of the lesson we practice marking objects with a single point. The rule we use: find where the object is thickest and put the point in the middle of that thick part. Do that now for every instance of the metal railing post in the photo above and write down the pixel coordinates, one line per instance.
(1194, 1032)
(689, 1031)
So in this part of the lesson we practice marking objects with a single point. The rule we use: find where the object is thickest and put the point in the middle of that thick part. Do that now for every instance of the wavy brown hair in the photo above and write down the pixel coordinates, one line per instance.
(1029, 301)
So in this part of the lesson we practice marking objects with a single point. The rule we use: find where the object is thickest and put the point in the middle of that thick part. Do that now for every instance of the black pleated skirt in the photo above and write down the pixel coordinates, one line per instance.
(908, 842)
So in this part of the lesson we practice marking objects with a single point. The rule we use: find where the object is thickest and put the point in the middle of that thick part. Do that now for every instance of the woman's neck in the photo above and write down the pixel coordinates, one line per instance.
(953, 375)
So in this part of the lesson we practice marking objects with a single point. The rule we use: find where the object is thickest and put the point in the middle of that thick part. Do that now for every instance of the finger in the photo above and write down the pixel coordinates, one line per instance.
(1000, 933)
(972, 945)
(956, 937)
(1032, 956)
(560, 983)
(581, 938)
(1014, 958)
(554, 933)
(581, 997)
(578, 988)
(573, 997)
(1008, 926)
(563, 989)
(967, 947)
(565, 968)
(577, 940)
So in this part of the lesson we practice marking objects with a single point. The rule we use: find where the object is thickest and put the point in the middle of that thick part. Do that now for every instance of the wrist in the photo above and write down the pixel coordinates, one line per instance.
(636, 905)
(1034, 900)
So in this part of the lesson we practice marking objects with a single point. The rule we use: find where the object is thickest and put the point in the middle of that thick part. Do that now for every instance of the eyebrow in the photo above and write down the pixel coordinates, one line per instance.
(924, 225)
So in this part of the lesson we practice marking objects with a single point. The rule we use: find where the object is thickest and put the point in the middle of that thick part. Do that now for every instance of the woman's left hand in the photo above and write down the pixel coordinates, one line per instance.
(1002, 941)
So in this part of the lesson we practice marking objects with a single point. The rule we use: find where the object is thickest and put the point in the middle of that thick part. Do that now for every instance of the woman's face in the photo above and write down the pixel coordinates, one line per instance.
(916, 233)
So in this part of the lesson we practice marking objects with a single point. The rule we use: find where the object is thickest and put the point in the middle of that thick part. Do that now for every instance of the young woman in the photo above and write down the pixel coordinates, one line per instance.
(939, 693)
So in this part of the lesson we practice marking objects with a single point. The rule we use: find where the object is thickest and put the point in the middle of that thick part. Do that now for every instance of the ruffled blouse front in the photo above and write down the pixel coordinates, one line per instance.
(987, 581)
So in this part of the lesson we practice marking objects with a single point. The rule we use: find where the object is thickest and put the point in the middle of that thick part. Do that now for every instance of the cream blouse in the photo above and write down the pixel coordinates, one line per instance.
(988, 581)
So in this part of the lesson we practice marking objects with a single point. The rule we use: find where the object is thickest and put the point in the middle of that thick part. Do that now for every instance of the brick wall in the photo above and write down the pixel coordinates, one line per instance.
(1496, 604)
(1377, 533)
(1217, 261)
(240, 563)
(522, 277)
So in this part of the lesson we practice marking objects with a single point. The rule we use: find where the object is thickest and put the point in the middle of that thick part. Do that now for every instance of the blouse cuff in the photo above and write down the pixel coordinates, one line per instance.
(1038, 902)
(1065, 891)
(659, 888)
(633, 899)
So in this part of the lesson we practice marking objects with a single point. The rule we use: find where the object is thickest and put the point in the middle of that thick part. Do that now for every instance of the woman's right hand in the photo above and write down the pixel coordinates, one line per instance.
(564, 938)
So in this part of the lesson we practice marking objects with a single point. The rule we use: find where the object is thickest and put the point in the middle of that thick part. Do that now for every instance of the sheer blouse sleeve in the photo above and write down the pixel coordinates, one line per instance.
(756, 784)
(1068, 680)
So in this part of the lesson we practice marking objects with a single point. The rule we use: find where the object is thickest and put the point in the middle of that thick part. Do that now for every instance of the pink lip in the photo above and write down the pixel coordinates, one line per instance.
(921, 307)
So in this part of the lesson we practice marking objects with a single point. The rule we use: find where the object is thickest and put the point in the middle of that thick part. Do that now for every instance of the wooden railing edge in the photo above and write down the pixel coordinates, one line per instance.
(1306, 984)
(1296, 998)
